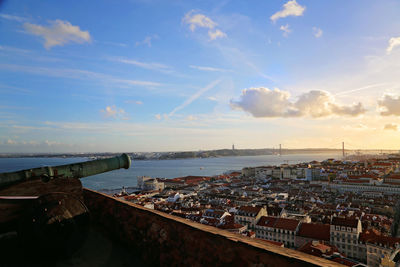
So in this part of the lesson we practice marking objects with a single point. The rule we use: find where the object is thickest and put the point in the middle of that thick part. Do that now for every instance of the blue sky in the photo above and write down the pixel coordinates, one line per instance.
(149, 75)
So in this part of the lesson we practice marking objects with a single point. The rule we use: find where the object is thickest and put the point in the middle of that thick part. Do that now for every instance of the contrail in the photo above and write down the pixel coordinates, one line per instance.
(195, 96)
(360, 89)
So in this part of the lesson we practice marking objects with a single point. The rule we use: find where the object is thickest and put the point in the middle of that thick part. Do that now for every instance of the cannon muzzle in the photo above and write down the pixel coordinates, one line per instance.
(75, 170)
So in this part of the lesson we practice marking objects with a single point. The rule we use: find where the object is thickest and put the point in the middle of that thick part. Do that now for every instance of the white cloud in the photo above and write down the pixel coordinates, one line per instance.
(147, 40)
(136, 102)
(76, 74)
(263, 102)
(216, 34)
(391, 126)
(135, 82)
(32, 142)
(12, 17)
(198, 20)
(317, 32)
(14, 49)
(114, 113)
(202, 21)
(194, 97)
(286, 30)
(291, 8)
(204, 68)
(59, 32)
(145, 65)
(389, 105)
(115, 44)
(393, 42)
(161, 116)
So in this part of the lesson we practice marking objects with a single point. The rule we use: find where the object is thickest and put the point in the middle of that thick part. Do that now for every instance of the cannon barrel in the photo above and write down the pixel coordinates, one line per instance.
(75, 170)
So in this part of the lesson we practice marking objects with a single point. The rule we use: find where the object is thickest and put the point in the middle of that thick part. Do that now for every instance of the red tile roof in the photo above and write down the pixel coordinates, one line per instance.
(249, 209)
(287, 224)
(318, 249)
(345, 222)
(374, 237)
(315, 231)
(382, 164)
(267, 221)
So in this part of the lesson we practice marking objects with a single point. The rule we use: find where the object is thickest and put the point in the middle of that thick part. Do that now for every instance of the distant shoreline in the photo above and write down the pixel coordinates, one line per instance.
(193, 154)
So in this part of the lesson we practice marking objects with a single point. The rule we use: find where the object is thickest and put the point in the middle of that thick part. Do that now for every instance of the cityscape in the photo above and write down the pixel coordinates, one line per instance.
(347, 211)
(259, 133)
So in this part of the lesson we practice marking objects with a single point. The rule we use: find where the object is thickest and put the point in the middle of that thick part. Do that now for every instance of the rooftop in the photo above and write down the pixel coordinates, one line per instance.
(315, 231)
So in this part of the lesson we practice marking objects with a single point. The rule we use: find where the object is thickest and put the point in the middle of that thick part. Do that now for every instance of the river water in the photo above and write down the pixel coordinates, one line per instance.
(162, 168)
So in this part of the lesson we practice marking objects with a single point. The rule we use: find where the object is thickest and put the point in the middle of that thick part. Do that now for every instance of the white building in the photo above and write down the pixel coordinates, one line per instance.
(378, 247)
(249, 215)
(278, 229)
(344, 234)
(153, 185)
(313, 174)
(366, 187)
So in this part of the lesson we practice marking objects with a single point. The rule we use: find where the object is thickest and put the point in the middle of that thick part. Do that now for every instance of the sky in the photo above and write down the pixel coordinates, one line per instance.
(152, 75)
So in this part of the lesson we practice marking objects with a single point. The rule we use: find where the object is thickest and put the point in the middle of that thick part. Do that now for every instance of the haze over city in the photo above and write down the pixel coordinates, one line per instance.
(151, 75)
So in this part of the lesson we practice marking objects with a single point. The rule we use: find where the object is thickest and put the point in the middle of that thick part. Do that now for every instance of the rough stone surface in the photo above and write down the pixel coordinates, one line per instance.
(161, 239)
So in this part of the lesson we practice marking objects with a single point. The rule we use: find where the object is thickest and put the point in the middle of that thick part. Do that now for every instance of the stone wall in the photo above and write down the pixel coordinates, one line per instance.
(161, 239)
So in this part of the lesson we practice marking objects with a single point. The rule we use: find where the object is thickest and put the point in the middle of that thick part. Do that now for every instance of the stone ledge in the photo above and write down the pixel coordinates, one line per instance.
(164, 240)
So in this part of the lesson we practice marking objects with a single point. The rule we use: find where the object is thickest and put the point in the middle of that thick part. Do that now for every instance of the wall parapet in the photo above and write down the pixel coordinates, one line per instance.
(160, 239)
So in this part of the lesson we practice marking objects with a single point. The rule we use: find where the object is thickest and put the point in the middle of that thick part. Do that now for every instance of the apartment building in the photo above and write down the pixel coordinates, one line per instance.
(278, 229)
(344, 234)
(249, 215)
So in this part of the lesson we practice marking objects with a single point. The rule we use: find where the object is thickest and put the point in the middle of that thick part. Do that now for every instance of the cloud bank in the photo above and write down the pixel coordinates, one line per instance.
(291, 8)
(389, 105)
(59, 32)
(263, 102)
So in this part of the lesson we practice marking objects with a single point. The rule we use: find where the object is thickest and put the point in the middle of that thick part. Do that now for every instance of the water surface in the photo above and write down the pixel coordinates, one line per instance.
(162, 168)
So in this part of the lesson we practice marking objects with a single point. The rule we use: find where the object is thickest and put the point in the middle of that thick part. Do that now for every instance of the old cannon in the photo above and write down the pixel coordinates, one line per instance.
(43, 208)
